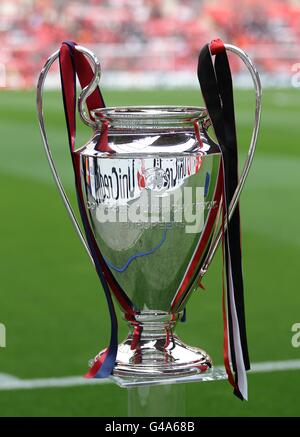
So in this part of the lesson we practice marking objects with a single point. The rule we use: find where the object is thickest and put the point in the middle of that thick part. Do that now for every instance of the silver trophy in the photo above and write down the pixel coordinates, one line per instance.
(153, 200)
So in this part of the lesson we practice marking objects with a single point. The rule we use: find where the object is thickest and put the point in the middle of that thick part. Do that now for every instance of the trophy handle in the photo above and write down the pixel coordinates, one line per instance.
(258, 91)
(89, 89)
(85, 117)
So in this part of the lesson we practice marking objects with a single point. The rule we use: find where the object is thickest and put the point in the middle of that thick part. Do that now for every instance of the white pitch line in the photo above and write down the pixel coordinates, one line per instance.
(275, 366)
(10, 382)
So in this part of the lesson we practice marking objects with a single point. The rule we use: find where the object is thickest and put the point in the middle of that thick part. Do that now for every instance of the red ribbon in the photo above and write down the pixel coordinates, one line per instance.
(217, 46)
(72, 63)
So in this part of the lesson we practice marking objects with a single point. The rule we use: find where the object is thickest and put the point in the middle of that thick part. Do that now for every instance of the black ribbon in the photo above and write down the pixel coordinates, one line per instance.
(216, 86)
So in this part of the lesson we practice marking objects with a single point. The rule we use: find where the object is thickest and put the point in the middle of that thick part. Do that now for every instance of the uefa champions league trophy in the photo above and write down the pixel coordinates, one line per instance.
(149, 184)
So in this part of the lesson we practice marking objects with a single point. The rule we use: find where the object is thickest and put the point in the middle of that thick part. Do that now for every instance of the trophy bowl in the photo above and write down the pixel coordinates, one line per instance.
(153, 203)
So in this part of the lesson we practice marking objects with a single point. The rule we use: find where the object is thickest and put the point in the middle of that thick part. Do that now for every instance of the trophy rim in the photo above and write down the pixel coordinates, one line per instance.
(151, 112)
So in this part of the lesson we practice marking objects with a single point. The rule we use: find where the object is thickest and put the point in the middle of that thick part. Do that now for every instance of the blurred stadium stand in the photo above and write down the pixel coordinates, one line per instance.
(147, 42)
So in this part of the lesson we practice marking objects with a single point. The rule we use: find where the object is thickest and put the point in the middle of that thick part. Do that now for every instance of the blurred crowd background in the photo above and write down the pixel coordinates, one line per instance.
(150, 36)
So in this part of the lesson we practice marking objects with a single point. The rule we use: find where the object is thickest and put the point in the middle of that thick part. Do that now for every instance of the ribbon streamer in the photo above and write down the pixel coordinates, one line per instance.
(73, 63)
(216, 86)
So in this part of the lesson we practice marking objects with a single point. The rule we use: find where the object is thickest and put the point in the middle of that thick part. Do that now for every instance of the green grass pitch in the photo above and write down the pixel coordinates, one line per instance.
(53, 306)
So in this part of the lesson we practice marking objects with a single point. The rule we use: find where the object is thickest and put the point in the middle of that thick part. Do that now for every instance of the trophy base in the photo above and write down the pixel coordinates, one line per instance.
(152, 351)
(160, 357)
(213, 374)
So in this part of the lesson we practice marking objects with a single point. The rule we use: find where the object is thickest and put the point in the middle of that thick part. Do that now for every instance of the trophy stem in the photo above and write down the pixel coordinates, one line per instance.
(153, 350)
